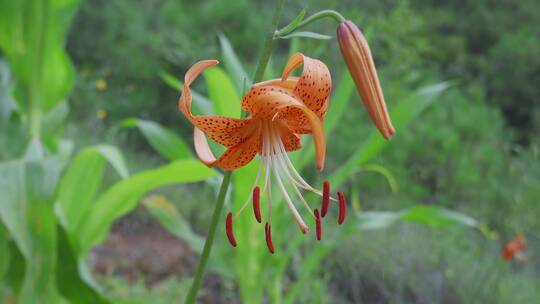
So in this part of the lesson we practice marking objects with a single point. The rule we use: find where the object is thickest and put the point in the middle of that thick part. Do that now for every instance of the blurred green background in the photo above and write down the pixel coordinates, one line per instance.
(473, 148)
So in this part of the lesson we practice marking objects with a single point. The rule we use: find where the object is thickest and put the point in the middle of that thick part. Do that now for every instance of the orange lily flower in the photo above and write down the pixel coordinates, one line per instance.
(280, 112)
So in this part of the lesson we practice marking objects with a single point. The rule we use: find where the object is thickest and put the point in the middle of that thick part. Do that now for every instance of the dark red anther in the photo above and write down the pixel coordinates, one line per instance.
(318, 226)
(268, 236)
(257, 203)
(228, 228)
(342, 208)
(325, 198)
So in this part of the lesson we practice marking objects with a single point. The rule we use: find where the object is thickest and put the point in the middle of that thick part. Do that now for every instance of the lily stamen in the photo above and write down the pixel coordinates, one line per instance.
(325, 198)
(342, 208)
(248, 199)
(257, 203)
(228, 228)
(268, 237)
(318, 225)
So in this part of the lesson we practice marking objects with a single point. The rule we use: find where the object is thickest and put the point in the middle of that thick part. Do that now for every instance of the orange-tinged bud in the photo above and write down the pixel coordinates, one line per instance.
(357, 55)
(514, 248)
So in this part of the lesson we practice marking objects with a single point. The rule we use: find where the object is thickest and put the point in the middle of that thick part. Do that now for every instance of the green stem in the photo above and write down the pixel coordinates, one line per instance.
(268, 43)
(259, 72)
(315, 17)
(34, 121)
(192, 295)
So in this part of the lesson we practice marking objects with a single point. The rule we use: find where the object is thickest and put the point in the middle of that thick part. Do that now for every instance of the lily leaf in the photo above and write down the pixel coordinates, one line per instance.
(385, 173)
(222, 92)
(311, 35)
(27, 187)
(82, 181)
(338, 105)
(4, 248)
(200, 103)
(292, 26)
(69, 281)
(171, 219)
(401, 115)
(233, 65)
(124, 195)
(426, 215)
(164, 141)
(36, 52)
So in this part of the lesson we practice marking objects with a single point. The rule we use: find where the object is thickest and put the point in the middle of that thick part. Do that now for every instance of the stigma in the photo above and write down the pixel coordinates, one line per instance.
(276, 167)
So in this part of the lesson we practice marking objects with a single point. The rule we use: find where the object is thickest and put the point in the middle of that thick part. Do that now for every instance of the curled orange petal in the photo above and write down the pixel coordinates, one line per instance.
(288, 83)
(202, 149)
(314, 85)
(184, 102)
(238, 135)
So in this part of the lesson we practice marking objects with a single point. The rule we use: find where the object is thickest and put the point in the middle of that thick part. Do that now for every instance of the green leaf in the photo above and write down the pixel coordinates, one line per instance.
(14, 275)
(4, 248)
(53, 125)
(340, 101)
(338, 106)
(402, 115)
(124, 195)
(33, 42)
(311, 35)
(200, 103)
(164, 141)
(115, 158)
(81, 183)
(7, 103)
(68, 280)
(13, 137)
(426, 215)
(222, 93)
(438, 217)
(170, 218)
(369, 220)
(233, 65)
(385, 173)
(292, 26)
(26, 211)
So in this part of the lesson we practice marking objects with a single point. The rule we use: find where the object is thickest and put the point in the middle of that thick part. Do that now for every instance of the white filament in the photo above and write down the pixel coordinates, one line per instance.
(274, 159)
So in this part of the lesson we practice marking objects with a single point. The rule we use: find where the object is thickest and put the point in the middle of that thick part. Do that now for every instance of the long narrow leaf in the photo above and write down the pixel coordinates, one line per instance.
(338, 106)
(32, 40)
(82, 181)
(426, 215)
(222, 92)
(164, 141)
(123, 197)
(167, 214)
(200, 103)
(25, 210)
(401, 115)
(311, 35)
(292, 26)
(233, 65)
(69, 281)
